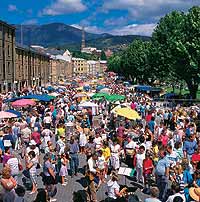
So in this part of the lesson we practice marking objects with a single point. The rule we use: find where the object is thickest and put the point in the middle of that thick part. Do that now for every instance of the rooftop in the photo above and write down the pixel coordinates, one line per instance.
(6, 24)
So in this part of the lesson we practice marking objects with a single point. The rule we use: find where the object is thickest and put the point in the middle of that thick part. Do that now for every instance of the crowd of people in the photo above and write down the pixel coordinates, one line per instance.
(162, 148)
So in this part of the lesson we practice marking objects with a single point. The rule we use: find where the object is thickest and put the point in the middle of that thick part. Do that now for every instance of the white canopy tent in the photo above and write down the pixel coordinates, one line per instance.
(89, 105)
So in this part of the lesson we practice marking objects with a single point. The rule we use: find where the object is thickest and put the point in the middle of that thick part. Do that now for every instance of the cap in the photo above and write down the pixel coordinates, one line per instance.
(32, 142)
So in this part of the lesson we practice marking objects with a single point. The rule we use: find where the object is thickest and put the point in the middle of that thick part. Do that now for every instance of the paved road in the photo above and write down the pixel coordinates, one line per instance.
(65, 193)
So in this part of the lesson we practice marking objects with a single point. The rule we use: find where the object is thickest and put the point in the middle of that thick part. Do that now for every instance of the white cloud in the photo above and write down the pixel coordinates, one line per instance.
(60, 7)
(113, 21)
(30, 22)
(94, 29)
(149, 10)
(90, 29)
(76, 26)
(12, 7)
(134, 29)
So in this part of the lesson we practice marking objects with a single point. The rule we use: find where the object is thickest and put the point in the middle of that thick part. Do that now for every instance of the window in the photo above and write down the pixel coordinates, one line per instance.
(8, 50)
(8, 68)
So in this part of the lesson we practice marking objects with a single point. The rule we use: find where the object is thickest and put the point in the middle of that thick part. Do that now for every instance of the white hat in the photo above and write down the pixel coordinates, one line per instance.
(32, 142)
(7, 143)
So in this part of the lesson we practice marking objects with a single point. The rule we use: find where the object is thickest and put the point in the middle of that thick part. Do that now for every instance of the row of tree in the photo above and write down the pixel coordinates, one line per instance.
(173, 53)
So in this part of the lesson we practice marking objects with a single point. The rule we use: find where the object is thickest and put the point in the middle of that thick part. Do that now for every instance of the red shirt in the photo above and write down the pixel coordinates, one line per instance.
(147, 166)
(195, 157)
(36, 136)
(148, 118)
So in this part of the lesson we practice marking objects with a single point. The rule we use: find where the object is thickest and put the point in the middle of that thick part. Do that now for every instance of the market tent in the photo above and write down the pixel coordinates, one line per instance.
(18, 114)
(143, 88)
(79, 95)
(114, 97)
(54, 94)
(23, 103)
(44, 97)
(12, 99)
(127, 113)
(88, 104)
(91, 105)
(105, 90)
(7, 115)
(99, 95)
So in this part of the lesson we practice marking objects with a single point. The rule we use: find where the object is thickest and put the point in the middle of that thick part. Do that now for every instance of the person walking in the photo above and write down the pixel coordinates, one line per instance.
(73, 154)
(162, 174)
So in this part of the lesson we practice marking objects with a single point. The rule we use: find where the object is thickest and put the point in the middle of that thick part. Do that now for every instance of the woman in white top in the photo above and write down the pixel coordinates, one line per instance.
(115, 151)
(82, 142)
(13, 163)
(31, 165)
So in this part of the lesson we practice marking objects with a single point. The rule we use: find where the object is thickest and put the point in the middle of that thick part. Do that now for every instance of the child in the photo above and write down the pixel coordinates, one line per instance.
(147, 171)
(63, 170)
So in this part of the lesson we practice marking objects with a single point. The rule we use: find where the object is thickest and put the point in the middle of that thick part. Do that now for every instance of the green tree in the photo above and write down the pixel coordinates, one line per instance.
(177, 38)
(114, 63)
(137, 60)
(103, 55)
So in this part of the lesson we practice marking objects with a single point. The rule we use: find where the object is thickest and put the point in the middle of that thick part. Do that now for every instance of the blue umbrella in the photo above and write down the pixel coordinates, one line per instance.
(44, 98)
(12, 99)
(14, 112)
(50, 88)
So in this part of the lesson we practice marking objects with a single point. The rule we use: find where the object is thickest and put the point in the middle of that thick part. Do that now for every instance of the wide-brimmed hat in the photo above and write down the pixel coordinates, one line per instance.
(195, 193)
(32, 142)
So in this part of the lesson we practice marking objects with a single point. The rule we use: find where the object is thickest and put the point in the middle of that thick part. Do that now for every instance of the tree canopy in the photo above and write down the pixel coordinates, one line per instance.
(174, 51)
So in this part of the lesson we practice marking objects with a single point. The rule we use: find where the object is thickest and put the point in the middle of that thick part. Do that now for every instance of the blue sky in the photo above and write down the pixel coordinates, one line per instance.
(118, 17)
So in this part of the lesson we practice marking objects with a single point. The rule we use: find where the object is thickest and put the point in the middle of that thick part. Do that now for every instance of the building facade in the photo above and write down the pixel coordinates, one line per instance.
(80, 66)
(31, 67)
(60, 70)
(7, 56)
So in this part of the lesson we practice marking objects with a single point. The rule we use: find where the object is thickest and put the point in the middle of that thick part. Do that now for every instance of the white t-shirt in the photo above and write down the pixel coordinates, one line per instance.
(140, 158)
(112, 186)
(97, 141)
(33, 169)
(14, 165)
(47, 119)
(33, 119)
(101, 162)
(131, 145)
(36, 150)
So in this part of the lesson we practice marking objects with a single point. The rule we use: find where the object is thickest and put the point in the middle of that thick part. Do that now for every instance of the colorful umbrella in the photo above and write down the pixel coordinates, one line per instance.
(6, 115)
(23, 103)
(99, 95)
(127, 113)
(115, 97)
(80, 95)
(18, 114)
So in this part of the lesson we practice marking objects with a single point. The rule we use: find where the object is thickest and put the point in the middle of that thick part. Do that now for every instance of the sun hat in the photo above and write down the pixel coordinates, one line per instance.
(195, 193)
(7, 143)
(32, 142)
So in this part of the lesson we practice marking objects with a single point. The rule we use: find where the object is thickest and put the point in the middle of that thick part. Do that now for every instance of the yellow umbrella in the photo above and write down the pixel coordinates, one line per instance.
(127, 113)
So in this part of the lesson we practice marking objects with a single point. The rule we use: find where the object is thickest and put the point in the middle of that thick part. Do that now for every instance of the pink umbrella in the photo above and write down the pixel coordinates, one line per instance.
(23, 103)
(6, 115)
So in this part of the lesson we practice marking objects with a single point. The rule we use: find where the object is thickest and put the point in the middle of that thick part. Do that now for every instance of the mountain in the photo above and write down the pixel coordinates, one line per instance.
(50, 34)
(64, 36)
(115, 42)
